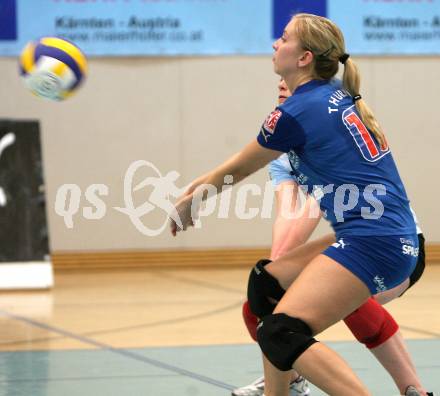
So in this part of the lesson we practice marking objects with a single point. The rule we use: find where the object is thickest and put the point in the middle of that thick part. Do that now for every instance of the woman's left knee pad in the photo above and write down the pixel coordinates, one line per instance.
(250, 320)
(261, 286)
(283, 339)
(371, 324)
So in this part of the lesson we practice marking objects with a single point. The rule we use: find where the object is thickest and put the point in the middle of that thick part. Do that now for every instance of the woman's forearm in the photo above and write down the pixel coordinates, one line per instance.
(230, 172)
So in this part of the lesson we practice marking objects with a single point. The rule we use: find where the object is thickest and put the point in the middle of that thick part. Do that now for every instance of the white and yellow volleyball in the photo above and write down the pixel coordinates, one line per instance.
(52, 67)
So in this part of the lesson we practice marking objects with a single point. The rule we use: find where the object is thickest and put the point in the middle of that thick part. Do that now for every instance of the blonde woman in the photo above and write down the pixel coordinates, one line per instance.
(344, 161)
(371, 324)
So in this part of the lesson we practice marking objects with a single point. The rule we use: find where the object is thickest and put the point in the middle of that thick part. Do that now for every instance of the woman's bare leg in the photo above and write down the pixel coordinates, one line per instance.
(323, 293)
(281, 386)
(388, 295)
(394, 357)
(393, 354)
(287, 268)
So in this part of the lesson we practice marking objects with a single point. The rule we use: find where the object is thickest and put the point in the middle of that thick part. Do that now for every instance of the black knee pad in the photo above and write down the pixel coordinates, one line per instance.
(262, 285)
(420, 266)
(283, 339)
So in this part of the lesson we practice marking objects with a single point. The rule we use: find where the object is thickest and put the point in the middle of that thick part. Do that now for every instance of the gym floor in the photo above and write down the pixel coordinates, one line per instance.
(168, 332)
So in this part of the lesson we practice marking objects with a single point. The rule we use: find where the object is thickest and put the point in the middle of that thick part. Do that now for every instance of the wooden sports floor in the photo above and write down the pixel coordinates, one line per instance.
(171, 332)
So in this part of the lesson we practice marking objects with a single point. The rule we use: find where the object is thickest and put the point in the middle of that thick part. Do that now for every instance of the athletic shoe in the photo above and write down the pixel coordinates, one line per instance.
(299, 387)
(411, 391)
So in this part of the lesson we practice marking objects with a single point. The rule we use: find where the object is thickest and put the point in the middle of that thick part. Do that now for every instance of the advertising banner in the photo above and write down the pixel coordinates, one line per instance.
(215, 27)
(389, 27)
(139, 27)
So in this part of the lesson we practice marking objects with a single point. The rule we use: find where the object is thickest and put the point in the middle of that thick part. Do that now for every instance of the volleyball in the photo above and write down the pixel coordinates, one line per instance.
(52, 67)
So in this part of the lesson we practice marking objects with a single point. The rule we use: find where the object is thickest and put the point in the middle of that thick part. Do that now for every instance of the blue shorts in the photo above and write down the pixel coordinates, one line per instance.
(279, 170)
(381, 262)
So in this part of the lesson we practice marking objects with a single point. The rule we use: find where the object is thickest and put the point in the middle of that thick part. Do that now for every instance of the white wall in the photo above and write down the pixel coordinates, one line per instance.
(189, 114)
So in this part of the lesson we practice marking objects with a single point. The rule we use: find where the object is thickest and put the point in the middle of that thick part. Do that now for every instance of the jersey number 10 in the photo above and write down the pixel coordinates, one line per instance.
(367, 145)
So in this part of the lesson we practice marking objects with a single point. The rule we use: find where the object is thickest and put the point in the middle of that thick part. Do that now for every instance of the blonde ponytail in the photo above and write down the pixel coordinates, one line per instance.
(351, 81)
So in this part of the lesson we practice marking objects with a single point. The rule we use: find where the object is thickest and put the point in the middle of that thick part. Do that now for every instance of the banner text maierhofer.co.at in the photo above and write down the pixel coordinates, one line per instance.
(215, 27)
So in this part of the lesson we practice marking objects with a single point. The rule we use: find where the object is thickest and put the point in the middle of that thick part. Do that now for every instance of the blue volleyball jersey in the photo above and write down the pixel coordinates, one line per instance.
(339, 161)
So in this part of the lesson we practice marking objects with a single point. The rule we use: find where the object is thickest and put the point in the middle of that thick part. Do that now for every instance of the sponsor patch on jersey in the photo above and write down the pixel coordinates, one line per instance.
(410, 250)
(271, 121)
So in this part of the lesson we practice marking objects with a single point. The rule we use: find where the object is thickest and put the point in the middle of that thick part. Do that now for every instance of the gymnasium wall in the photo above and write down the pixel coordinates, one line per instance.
(188, 115)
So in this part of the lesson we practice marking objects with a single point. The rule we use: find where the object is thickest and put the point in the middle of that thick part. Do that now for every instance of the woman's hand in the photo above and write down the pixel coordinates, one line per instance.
(182, 216)
(239, 166)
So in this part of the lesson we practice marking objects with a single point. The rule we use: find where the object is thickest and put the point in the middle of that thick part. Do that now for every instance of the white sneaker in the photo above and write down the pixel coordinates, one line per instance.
(411, 391)
(299, 387)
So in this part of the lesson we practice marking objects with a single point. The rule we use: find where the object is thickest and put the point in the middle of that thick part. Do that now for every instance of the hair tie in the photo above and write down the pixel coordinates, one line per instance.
(356, 98)
(343, 58)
